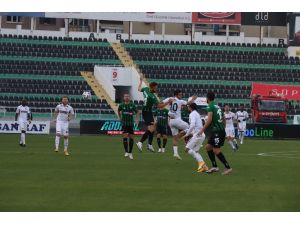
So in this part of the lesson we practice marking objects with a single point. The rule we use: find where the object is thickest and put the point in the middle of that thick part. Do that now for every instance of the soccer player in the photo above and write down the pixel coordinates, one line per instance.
(150, 100)
(230, 134)
(24, 117)
(126, 112)
(176, 123)
(242, 117)
(63, 114)
(216, 123)
(195, 142)
(161, 128)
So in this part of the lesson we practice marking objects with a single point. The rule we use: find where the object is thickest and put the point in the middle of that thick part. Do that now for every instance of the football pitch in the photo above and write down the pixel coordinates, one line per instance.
(97, 177)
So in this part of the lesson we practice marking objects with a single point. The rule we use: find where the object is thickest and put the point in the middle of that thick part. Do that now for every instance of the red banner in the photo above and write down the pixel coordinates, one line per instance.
(217, 18)
(290, 92)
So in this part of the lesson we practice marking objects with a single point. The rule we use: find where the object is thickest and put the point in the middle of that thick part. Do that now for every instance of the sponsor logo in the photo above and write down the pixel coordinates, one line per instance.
(269, 113)
(114, 126)
(217, 15)
(13, 127)
(259, 132)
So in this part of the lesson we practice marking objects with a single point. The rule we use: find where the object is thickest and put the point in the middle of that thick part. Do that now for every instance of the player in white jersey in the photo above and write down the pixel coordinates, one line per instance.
(195, 142)
(175, 122)
(242, 117)
(24, 117)
(229, 128)
(63, 114)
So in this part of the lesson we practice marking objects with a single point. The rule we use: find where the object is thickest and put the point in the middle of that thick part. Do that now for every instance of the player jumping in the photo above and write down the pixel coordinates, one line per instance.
(230, 133)
(150, 100)
(126, 112)
(215, 121)
(242, 117)
(62, 115)
(175, 122)
(24, 117)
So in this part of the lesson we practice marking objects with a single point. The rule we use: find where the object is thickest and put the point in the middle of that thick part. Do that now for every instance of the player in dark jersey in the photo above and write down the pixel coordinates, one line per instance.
(161, 128)
(216, 123)
(150, 101)
(126, 112)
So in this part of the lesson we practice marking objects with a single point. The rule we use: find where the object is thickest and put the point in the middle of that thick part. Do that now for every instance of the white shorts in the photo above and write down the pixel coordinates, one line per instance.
(230, 132)
(62, 128)
(241, 127)
(176, 125)
(195, 142)
(23, 125)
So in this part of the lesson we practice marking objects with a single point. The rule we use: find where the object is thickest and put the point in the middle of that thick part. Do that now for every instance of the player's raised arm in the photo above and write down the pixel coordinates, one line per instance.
(165, 102)
(194, 97)
(140, 84)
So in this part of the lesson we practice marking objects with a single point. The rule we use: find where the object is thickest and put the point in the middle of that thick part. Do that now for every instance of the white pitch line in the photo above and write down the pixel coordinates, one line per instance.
(285, 154)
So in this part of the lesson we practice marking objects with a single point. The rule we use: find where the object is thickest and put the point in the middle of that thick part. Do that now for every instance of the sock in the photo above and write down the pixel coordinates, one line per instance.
(57, 142)
(130, 145)
(23, 138)
(66, 143)
(195, 155)
(198, 157)
(234, 140)
(125, 144)
(150, 138)
(231, 144)
(212, 158)
(242, 136)
(159, 142)
(221, 157)
(145, 136)
(165, 142)
(175, 149)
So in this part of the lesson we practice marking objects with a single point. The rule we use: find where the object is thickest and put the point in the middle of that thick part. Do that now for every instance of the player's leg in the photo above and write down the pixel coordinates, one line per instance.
(149, 122)
(229, 139)
(151, 129)
(57, 137)
(176, 125)
(158, 139)
(65, 132)
(192, 148)
(125, 143)
(243, 128)
(165, 140)
(130, 136)
(23, 127)
(219, 142)
(211, 154)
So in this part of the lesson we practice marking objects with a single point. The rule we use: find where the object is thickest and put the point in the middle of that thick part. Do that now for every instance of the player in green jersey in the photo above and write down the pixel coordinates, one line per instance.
(126, 112)
(162, 120)
(150, 101)
(216, 123)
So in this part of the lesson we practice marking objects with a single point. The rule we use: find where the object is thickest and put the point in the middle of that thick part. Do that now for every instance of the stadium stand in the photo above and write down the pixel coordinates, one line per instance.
(42, 69)
(226, 69)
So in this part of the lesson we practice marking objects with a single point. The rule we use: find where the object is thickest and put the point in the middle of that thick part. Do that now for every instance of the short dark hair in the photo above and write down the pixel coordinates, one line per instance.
(210, 96)
(64, 97)
(153, 84)
(24, 101)
(176, 92)
(193, 106)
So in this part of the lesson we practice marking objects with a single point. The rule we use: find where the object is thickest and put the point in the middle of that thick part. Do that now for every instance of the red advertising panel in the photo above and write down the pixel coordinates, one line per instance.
(287, 91)
(233, 18)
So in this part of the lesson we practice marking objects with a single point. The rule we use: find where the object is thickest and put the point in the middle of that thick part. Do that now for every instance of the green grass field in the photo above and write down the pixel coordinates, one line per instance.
(97, 177)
